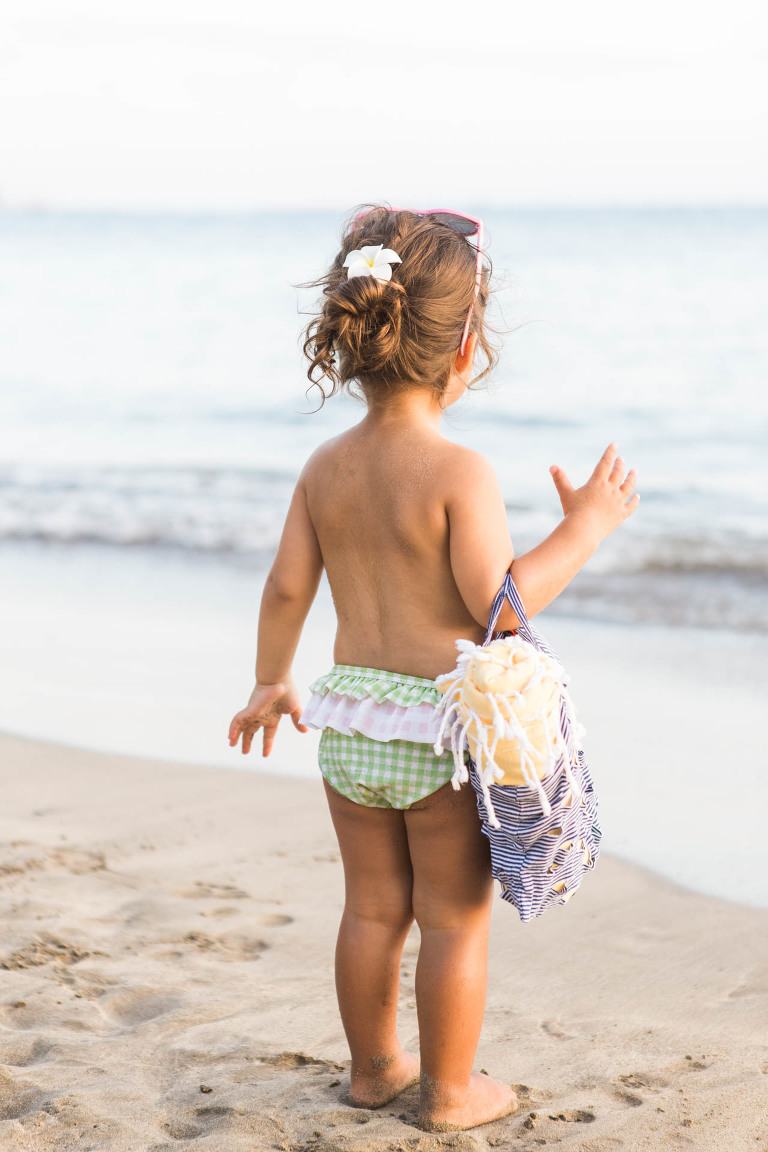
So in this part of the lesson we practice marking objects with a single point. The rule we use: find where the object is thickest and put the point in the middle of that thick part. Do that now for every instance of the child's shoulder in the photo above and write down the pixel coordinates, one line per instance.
(457, 464)
(469, 458)
(471, 485)
(325, 452)
(469, 466)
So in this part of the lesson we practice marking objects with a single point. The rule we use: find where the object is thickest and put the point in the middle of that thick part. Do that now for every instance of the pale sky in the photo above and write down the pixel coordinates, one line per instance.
(228, 105)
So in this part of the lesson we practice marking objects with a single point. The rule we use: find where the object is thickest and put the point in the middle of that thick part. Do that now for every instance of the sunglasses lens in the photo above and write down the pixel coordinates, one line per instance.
(458, 223)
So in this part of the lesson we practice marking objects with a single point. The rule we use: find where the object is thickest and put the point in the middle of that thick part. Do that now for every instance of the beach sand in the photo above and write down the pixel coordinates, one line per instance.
(166, 982)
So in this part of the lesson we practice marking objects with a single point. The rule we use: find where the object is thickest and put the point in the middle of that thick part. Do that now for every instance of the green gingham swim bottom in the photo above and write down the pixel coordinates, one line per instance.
(378, 731)
(381, 773)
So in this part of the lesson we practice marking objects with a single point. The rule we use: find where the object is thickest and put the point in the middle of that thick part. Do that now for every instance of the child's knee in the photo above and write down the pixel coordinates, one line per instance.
(469, 911)
(397, 915)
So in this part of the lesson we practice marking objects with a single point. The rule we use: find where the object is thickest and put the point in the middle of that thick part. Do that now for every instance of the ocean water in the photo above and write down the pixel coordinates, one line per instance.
(152, 391)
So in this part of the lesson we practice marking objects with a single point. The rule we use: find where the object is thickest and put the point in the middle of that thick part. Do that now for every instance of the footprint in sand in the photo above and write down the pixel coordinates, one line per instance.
(78, 861)
(274, 920)
(214, 1112)
(204, 890)
(290, 1060)
(230, 946)
(22, 1051)
(631, 1099)
(203, 1119)
(643, 1080)
(144, 911)
(21, 1016)
(20, 867)
(574, 1116)
(41, 950)
(17, 1100)
(87, 985)
(183, 1130)
(138, 1005)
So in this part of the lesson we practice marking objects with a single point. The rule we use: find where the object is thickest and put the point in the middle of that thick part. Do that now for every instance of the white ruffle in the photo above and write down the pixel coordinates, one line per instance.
(385, 721)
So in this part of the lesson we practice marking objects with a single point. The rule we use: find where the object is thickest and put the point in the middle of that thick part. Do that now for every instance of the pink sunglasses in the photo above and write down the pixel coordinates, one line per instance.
(468, 226)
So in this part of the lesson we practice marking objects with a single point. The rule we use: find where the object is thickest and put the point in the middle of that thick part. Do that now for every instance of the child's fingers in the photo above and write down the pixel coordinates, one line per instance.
(617, 471)
(268, 741)
(562, 483)
(628, 486)
(605, 463)
(631, 505)
(295, 717)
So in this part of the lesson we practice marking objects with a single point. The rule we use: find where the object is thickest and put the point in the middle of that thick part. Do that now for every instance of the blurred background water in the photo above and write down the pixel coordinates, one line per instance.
(152, 392)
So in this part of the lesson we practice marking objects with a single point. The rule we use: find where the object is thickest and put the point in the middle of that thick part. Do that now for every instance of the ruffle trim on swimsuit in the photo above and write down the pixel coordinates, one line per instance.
(376, 703)
(380, 721)
(377, 684)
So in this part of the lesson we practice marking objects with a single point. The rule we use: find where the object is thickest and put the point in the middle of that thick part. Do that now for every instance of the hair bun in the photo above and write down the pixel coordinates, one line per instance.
(380, 337)
(366, 315)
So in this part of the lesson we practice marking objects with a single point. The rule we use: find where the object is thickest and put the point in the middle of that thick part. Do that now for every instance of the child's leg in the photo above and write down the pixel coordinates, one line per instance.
(452, 894)
(377, 915)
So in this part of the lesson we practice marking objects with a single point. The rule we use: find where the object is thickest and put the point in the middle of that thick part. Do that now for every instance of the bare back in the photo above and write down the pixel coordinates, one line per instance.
(377, 498)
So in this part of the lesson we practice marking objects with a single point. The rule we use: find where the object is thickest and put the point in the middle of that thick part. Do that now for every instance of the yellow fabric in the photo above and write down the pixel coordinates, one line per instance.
(498, 671)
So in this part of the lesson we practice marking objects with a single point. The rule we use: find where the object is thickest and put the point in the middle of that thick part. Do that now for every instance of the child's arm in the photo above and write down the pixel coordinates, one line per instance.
(290, 588)
(479, 536)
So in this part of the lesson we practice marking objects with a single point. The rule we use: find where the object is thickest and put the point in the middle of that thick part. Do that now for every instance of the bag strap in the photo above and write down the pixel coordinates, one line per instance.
(508, 591)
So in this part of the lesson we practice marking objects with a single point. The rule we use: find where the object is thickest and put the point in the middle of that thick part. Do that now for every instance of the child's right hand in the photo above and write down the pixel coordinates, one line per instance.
(267, 704)
(606, 500)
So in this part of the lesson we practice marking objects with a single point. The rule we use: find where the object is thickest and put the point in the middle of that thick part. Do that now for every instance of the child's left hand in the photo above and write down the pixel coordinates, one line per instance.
(267, 704)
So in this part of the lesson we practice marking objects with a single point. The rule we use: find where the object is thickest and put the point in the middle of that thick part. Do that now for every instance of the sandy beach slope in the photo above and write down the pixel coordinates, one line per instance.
(166, 982)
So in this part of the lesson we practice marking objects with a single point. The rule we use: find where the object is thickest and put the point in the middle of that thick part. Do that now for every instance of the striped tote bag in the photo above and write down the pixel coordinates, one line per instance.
(543, 829)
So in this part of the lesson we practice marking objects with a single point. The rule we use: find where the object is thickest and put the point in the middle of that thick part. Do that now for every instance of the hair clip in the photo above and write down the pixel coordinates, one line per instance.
(371, 260)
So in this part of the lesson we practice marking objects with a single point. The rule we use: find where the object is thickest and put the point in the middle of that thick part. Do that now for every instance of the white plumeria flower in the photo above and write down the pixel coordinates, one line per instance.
(371, 260)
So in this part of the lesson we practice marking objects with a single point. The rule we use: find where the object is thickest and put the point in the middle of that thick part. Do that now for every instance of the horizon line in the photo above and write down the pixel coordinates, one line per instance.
(326, 210)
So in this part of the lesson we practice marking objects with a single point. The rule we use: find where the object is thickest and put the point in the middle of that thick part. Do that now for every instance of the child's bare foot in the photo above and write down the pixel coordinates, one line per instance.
(485, 1100)
(389, 1076)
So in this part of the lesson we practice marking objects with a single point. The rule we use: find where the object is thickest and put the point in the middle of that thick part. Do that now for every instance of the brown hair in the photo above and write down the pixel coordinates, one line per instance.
(401, 333)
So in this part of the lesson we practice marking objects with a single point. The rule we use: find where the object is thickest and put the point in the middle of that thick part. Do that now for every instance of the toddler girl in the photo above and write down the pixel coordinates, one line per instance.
(412, 533)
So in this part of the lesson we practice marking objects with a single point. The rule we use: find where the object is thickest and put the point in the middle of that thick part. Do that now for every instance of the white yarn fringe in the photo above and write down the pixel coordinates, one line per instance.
(458, 720)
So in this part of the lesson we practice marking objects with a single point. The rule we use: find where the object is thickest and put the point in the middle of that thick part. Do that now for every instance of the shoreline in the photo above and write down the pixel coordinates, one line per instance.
(167, 975)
